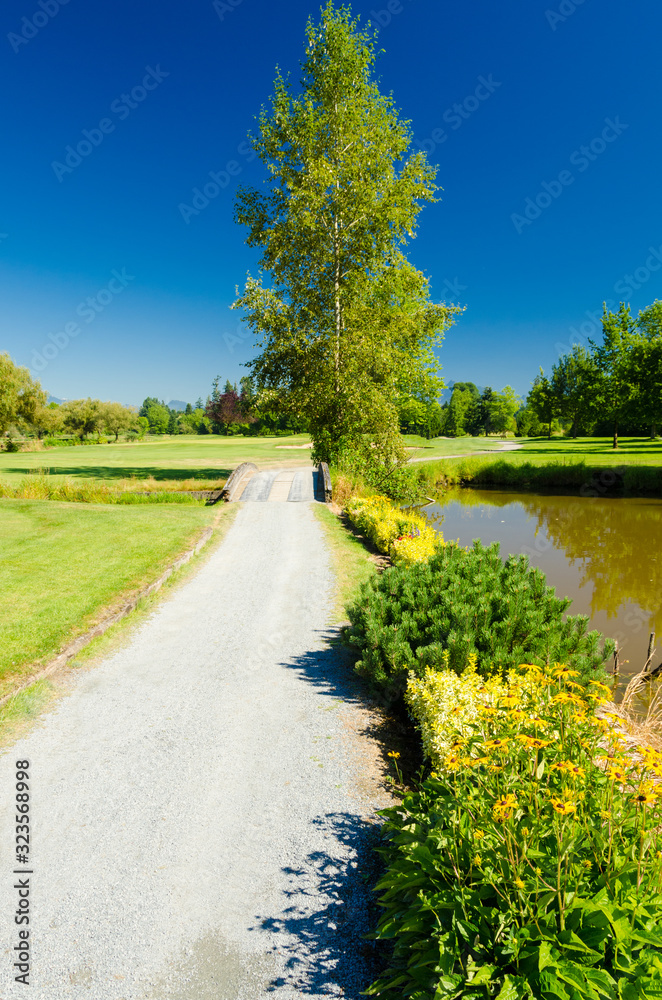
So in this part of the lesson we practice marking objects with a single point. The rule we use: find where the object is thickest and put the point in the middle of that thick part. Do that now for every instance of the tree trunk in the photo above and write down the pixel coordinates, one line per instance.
(653, 431)
(615, 443)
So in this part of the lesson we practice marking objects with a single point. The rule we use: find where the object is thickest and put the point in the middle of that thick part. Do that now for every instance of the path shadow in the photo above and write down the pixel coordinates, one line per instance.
(386, 721)
(321, 935)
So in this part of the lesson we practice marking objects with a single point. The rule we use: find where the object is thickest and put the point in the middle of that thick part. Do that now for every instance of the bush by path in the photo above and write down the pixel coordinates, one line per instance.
(463, 602)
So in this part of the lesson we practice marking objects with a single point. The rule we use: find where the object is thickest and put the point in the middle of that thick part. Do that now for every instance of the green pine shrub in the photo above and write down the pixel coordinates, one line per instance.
(462, 602)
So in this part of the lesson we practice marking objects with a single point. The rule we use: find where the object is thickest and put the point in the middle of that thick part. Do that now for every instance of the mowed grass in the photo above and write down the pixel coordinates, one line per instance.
(441, 447)
(587, 465)
(592, 451)
(62, 565)
(194, 462)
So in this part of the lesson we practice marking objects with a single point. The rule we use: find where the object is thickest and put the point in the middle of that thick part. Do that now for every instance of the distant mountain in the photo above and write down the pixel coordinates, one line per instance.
(53, 399)
(177, 404)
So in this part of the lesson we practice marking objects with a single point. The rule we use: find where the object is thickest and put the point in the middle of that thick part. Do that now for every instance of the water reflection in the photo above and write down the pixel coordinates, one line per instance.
(603, 553)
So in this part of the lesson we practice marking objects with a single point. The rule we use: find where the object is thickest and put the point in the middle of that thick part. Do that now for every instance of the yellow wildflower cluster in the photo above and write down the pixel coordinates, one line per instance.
(447, 706)
(404, 535)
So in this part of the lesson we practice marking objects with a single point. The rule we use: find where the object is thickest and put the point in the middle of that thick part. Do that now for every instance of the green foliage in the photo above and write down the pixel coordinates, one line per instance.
(348, 320)
(527, 864)
(465, 601)
(20, 395)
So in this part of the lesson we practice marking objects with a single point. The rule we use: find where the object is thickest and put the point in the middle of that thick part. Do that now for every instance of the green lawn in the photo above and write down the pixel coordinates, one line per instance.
(559, 463)
(208, 460)
(447, 447)
(592, 451)
(61, 564)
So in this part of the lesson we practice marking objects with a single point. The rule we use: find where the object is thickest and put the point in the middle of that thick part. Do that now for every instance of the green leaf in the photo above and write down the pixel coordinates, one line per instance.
(549, 984)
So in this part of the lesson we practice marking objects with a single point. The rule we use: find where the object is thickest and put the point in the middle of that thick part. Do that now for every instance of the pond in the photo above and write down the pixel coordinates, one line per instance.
(605, 553)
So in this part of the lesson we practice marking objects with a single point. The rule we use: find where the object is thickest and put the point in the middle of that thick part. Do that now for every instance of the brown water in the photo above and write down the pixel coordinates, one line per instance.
(604, 553)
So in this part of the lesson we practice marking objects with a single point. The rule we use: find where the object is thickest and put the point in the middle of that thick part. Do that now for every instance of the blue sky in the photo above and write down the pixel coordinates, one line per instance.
(109, 291)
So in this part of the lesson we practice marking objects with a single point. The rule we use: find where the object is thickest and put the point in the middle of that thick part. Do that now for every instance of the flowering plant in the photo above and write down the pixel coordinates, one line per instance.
(528, 864)
(404, 535)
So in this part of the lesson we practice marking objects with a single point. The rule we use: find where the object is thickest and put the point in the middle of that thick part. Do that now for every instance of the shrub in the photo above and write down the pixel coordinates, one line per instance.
(404, 535)
(528, 863)
(465, 601)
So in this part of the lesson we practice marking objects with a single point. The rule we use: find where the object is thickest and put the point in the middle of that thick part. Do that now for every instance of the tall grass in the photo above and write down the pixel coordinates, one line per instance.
(42, 488)
(517, 472)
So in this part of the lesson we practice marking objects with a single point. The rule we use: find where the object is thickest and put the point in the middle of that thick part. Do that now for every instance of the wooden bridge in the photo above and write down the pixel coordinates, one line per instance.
(300, 485)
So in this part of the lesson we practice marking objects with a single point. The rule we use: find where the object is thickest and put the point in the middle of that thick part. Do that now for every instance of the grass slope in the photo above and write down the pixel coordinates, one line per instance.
(207, 460)
(62, 564)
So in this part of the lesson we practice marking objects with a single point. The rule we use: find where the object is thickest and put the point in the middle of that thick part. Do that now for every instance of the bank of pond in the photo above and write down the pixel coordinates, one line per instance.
(525, 860)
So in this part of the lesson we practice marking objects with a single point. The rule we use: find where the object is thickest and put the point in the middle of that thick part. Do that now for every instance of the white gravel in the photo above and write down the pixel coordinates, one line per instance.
(196, 828)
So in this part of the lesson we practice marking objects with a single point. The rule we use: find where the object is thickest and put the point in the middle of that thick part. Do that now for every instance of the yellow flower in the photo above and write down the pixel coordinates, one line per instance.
(503, 807)
(533, 742)
(603, 687)
(517, 715)
(477, 859)
(496, 744)
(538, 722)
(569, 767)
(393, 753)
(538, 871)
(528, 666)
(564, 698)
(617, 773)
(476, 761)
(453, 762)
(509, 701)
(525, 831)
(560, 670)
(564, 807)
(586, 863)
(478, 834)
(647, 795)
(519, 883)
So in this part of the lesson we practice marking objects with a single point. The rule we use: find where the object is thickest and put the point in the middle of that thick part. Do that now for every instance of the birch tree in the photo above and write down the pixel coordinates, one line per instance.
(346, 320)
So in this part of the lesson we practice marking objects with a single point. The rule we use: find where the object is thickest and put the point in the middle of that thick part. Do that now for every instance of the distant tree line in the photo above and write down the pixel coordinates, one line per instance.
(610, 387)
(467, 412)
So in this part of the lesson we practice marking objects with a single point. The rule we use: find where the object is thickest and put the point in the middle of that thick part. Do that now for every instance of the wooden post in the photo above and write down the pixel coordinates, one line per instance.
(651, 650)
(616, 670)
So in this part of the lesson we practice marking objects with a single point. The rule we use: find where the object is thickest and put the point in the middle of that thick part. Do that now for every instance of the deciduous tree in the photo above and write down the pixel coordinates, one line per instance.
(347, 316)
(20, 395)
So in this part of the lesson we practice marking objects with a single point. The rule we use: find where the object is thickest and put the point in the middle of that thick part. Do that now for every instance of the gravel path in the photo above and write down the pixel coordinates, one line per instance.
(200, 812)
